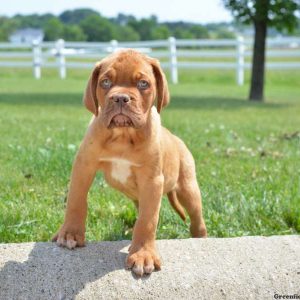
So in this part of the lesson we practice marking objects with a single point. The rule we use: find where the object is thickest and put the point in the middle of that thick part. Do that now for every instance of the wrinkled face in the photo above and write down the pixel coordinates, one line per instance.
(126, 91)
(125, 86)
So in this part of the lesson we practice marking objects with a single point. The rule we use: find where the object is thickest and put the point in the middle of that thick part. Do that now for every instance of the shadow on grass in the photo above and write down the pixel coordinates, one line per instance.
(215, 102)
(177, 102)
(59, 99)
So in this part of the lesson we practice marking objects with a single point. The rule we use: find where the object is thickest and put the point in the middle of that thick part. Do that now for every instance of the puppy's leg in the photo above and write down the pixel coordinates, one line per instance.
(72, 232)
(143, 257)
(190, 198)
(189, 195)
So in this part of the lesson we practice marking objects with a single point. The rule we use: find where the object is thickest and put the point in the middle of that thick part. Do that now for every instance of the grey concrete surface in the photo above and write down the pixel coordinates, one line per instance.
(235, 268)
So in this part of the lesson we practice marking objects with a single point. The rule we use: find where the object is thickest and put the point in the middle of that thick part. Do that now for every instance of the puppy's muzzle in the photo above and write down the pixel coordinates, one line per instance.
(120, 118)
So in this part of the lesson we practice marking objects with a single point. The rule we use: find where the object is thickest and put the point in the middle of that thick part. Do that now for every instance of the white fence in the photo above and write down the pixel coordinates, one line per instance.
(174, 54)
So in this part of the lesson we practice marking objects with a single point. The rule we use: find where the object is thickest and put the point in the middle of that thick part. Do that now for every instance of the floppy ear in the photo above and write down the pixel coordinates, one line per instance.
(90, 98)
(162, 90)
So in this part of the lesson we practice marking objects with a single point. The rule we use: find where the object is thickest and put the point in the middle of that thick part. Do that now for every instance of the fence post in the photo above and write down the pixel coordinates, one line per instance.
(173, 60)
(60, 45)
(240, 64)
(114, 45)
(36, 51)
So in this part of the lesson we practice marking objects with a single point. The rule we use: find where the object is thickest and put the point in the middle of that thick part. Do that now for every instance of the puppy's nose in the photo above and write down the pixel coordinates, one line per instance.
(121, 98)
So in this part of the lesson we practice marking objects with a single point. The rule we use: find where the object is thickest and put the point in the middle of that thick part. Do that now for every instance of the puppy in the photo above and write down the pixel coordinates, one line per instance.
(139, 157)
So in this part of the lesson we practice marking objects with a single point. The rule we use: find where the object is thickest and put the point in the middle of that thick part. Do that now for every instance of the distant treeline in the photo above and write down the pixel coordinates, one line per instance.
(89, 25)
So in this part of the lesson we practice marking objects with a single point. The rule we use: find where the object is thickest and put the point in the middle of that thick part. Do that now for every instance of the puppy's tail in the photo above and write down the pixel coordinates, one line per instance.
(176, 205)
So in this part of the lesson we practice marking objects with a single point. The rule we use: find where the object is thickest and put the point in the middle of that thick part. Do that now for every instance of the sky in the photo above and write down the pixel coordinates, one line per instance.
(199, 11)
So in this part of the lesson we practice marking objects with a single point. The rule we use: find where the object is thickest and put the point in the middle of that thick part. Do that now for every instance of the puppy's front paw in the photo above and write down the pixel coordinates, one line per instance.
(70, 236)
(143, 261)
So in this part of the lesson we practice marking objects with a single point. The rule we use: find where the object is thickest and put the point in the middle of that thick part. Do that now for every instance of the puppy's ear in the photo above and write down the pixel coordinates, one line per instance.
(162, 90)
(90, 98)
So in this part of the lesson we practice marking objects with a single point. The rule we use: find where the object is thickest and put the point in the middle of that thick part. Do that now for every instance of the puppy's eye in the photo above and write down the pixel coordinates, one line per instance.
(142, 85)
(106, 84)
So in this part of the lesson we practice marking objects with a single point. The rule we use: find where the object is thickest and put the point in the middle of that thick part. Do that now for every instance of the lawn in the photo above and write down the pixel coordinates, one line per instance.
(247, 156)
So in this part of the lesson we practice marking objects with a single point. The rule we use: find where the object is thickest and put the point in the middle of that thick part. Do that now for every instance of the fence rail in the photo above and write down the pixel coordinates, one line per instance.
(174, 54)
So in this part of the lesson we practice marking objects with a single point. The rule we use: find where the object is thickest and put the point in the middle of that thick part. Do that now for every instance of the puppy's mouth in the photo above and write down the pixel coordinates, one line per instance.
(120, 120)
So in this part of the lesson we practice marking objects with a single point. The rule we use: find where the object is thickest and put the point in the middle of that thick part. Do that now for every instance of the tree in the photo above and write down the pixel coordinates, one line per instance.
(53, 29)
(97, 28)
(182, 33)
(126, 33)
(144, 27)
(123, 19)
(73, 33)
(223, 33)
(280, 14)
(7, 27)
(33, 20)
(199, 32)
(161, 32)
(77, 15)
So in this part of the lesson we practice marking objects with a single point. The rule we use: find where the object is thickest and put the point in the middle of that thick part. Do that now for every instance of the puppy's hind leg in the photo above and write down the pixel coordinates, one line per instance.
(189, 196)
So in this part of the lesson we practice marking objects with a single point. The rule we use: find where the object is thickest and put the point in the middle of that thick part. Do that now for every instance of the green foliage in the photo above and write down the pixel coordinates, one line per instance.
(181, 33)
(297, 30)
(7, 26)
(224, 33)
(54, 29)
(123, 19)
(182, 30)
(247, 156)
(160, 32)
(199, 32)
(277, 13)
(126, 33)
(34, 20)
(77, 15)
(87, 24)
(73, 33)
(144, 27)
(97, 28)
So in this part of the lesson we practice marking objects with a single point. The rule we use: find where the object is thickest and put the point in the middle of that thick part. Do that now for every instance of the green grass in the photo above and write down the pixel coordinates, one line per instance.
(247, 156)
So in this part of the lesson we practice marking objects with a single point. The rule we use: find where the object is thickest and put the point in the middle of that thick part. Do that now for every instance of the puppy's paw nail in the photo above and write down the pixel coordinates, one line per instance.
(138, 270)
(71, 244)
(148, 269)
(60, 242)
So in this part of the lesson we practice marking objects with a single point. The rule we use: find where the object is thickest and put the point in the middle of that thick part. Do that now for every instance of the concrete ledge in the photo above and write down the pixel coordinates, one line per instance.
(236, 268)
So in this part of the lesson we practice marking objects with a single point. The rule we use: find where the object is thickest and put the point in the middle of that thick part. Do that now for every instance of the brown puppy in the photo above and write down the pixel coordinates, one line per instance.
(125, 140)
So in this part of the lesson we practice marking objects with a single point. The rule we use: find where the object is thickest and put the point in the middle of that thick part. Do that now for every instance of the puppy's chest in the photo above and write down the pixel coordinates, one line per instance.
(118, 171)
